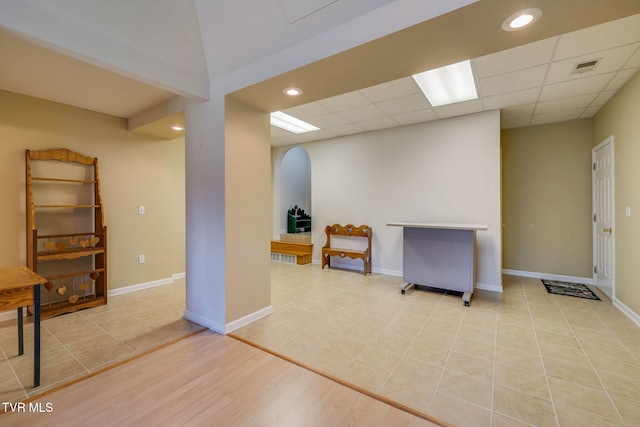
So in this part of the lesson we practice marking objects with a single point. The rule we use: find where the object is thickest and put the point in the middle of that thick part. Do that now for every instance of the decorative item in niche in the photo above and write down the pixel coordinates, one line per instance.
(298, 221)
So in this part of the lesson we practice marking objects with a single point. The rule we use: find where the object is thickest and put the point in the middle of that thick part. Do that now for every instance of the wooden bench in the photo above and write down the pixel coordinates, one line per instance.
(364, 231)
(301, 250)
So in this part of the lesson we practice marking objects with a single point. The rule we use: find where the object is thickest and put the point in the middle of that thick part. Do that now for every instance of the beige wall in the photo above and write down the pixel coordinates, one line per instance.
(134, 170)
(248, 210)
(621, 118)
(546, 199)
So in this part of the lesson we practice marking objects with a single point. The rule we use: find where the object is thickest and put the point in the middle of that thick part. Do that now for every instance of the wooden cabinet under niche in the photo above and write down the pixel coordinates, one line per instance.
(66, 235)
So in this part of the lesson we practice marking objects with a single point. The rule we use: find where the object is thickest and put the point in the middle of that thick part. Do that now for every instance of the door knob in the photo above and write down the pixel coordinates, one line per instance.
(608, 230)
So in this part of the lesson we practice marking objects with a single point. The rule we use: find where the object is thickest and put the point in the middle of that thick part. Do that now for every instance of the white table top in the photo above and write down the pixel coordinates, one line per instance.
(443, 225)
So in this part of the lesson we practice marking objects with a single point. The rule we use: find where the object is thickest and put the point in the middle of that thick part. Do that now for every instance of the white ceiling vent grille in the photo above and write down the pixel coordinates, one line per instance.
(586, 66)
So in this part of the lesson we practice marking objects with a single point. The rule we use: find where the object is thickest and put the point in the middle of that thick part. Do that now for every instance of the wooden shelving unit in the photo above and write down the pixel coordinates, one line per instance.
(66, 235)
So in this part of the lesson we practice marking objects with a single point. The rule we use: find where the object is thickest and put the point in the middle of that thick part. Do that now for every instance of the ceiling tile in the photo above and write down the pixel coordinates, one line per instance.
(600, 37)
(459, 109)
(292, 138)
(277, 132)
(591, 111)
(425, 115)
(347, 129)
(563, 104)
(634, 61)
(382, 123)
(603, 97)
(518, 112)
(539, 119)
(305, 111)
(621, 78)
(318, 134)
(364, 113)
(518, 58)
(610, 60)
(345, 101)
(513, 82)
(392, 89)
(328, 121)
(527, 96)
(514, 123)
(405, 104)
(575, 87)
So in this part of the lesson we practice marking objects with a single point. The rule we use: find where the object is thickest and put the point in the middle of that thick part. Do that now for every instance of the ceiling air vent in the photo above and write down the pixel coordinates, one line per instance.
(584, 67)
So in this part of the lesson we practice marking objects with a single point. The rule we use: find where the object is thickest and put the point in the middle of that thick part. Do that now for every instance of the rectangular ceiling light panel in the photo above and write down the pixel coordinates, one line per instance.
(448, 85)
(290, 123)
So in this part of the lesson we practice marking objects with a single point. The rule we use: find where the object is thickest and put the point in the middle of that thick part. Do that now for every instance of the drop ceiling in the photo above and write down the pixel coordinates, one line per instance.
(531, 84)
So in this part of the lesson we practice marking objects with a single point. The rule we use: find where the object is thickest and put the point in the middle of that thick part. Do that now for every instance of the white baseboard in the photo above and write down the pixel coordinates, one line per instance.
(252, 317)
(397, 273)
(546, 276)
(627, 311)
(231, 326)
(488, 287)
(139, 287)
(354, 266)
(205, 321)
(12, 314)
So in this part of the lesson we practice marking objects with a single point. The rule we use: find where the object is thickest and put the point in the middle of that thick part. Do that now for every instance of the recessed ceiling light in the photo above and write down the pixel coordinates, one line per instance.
(447, 85)
(293, 91)
(177, 128)
(521, 19)
(290, 123)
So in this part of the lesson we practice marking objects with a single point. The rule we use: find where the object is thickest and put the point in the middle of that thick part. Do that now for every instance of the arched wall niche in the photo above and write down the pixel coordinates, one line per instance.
(293, 186)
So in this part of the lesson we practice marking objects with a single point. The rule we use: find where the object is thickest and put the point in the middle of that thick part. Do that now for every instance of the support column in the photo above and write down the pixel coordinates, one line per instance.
(205, 213)
(228, 213)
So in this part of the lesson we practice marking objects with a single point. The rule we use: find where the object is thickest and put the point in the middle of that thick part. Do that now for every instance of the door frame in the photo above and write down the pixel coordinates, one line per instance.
(609, 140)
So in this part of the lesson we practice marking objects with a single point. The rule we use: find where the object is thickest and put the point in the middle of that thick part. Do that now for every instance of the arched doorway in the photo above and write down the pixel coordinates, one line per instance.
(295, 190)
(292, 214)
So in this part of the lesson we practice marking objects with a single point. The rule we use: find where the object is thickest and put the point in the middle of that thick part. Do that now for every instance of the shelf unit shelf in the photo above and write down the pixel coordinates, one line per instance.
(68, 254)
(78, 181)
(68, 206)
(74, 263)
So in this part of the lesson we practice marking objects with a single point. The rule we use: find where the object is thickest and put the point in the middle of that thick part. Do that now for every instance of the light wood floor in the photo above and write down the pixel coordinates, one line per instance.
(209, 379)
(77, 344)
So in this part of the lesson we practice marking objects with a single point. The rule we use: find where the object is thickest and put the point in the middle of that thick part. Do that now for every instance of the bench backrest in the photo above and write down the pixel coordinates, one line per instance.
(348, 230)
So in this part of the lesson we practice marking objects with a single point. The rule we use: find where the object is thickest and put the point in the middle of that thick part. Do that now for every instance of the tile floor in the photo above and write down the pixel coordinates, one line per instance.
(74, 345)
(520, 358)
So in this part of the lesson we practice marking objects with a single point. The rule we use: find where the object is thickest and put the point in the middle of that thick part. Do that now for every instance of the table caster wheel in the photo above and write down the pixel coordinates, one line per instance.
(403, 292)
(466, 303)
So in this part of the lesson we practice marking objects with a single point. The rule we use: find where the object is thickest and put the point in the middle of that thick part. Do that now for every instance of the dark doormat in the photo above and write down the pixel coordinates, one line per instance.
(570, 289)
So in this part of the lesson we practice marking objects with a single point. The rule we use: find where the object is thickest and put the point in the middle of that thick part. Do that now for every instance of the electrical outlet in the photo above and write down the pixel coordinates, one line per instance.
(141, 210)
(141, 259)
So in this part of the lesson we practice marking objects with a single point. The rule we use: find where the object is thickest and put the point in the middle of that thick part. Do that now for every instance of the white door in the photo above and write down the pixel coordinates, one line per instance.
(603, 220)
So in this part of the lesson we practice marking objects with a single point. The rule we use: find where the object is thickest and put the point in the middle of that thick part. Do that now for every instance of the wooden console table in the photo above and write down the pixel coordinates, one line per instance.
(439, 255)
(20, 287)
